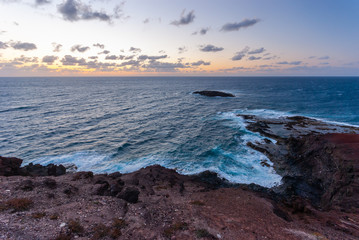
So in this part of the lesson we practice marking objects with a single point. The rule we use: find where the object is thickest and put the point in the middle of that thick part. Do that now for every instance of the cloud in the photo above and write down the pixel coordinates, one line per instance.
(257, 51)
(135, 50)
(202, 31)
(73, 10)
(57, 47)
(112, 57)
(146, 57)
(147, 20)
(200, 62)
(164, 66)
(3, 45)
(25, 46)
(99, 45)
(184, 19)
(24, 59)
(93, 57)
(290, 63)
(324, 58)
(253, 58)
(236, 26)
(42, 2)
(210, 48)
(69, 60)
(234, 69)
(79, 48)
(49, 59)
(104, 52)
(2, 32)
(182, 49)
(133, 63)
(241, 54)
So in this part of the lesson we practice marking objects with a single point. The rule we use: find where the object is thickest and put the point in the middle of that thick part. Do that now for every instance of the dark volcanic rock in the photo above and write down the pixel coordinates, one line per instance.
(40, 170)
(214, 94)
(130, 194)
(9, 166)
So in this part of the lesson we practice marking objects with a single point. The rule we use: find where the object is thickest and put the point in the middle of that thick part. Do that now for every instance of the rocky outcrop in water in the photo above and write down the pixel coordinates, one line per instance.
(214, 94)
(318, 161)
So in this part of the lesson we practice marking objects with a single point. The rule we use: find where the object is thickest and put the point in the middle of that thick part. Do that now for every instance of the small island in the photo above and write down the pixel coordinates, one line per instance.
(214, 94)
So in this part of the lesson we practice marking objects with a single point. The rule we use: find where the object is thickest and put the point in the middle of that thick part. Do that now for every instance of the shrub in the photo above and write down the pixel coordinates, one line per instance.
(197, 202)
(19, 204)
(168, 232)
(38, 215)
(75, 226)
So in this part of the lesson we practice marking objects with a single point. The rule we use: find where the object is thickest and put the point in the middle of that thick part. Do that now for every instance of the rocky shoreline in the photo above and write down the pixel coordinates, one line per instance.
(317, 199)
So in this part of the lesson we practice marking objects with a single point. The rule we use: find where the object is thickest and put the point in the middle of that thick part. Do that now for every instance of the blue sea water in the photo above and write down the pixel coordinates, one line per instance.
(125, 123)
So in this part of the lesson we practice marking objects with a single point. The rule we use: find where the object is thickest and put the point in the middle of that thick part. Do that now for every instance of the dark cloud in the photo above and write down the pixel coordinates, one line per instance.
(133, 63)
(57, 47)
(69, 60)
(73, 10)
(99, 45)
(3, 45)
(290, 63)
(146, 57)
(324, 58)
(79, 48)
(236, 26)
(253, 58)
(182, 49)
(164, 66)
(135, 50)
(203, 31)
(25, 46)
(112, 57)
(42, 2)
(257, 51)
(49, 59)
(241, 54)
(200, 62)
(210, 48)
(93, 57)
(185, 18)
(104, 52)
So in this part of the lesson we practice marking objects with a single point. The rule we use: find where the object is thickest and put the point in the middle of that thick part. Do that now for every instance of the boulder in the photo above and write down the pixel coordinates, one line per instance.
(214, 94)
(130, 194)
(9, 166)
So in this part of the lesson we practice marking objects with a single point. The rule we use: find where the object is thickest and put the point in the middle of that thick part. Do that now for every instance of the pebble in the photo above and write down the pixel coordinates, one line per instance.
(62, 225)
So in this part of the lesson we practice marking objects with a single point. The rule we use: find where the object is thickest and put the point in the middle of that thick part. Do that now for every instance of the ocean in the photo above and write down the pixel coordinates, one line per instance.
(107, 124)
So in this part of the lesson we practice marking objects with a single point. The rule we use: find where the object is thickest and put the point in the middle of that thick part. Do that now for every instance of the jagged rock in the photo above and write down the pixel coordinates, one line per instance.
(214, 94)
(40, 170)
(82, 175)
(9, 166)
(130, 194)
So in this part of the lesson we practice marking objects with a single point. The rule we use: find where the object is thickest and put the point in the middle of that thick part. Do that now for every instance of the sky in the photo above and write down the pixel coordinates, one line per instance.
(179, 38)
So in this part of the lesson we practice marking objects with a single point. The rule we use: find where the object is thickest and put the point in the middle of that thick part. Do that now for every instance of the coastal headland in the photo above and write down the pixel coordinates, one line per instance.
(318, 162)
